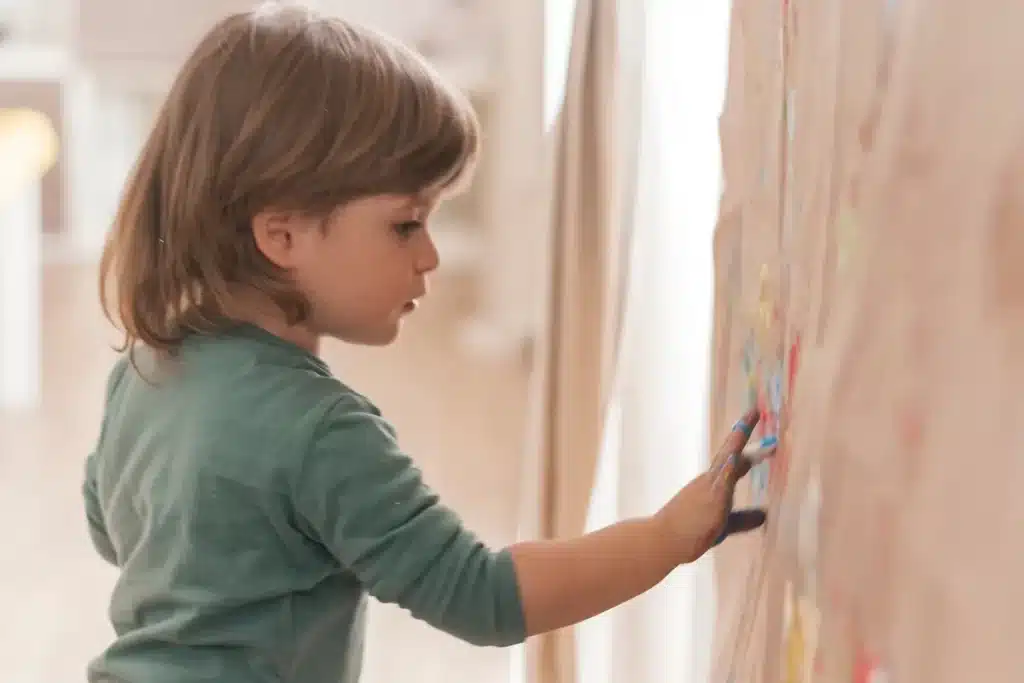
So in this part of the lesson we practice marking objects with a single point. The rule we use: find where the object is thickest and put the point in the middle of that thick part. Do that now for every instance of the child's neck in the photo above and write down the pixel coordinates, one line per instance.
(299, 335)
(272, 319)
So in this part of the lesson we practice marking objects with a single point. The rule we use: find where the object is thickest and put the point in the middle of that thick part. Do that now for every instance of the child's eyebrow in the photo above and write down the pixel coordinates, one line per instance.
(419, 204)
(409, 201)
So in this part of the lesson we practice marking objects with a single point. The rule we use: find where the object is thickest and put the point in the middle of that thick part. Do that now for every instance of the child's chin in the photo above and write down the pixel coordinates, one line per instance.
(383, 333)
(383, 336)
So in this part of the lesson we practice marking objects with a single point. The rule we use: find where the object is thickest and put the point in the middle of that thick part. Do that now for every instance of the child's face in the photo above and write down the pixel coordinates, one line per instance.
(366, 271)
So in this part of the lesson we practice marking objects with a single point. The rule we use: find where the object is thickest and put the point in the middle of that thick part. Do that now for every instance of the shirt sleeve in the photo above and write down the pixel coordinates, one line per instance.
(365, 500)
(94, 516)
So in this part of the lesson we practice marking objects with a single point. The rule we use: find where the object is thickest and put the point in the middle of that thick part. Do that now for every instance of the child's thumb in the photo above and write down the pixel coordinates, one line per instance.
(742, 521)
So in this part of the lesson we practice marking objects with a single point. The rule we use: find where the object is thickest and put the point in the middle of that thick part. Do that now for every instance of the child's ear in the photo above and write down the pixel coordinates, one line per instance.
(277, 235)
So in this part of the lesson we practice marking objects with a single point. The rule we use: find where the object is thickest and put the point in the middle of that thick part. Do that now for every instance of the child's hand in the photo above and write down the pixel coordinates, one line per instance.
(700, 515)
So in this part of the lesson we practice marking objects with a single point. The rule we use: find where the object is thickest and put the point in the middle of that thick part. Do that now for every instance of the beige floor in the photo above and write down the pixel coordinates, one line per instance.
(460, 417)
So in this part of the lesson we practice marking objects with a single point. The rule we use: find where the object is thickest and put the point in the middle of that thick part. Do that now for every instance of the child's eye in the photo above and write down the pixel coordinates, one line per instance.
(407, 228)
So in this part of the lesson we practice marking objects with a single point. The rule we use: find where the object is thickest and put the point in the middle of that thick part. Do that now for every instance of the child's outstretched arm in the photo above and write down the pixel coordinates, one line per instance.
(564, 582)
(365, 501)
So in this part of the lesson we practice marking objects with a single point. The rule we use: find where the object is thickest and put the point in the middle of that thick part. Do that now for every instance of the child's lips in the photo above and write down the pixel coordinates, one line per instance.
(413, 303)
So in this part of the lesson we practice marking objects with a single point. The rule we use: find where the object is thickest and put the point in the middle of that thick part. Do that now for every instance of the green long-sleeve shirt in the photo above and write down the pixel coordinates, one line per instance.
(251, 502)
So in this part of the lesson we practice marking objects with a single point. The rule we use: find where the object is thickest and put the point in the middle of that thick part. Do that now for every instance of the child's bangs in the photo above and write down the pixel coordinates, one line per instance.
(434, 163)
(431, 143)
(418, 133)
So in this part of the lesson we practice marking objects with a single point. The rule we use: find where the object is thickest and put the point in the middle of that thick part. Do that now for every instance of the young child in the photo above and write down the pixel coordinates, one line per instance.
(250, 500)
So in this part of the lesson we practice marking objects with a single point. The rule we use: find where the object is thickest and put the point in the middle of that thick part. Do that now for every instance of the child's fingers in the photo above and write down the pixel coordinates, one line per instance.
(736, 465)
(760, 452)
(736, 440)
(741, 431)
(749, 458)
(726, 474)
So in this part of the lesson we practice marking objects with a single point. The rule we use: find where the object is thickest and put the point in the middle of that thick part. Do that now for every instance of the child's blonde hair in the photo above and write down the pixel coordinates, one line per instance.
(279, 108)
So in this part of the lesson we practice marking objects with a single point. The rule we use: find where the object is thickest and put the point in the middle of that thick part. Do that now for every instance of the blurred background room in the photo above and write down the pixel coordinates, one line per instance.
(576, 273)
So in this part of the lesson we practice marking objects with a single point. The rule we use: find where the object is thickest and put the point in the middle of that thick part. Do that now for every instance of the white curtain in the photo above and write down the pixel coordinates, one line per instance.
(656, 436)
(578, 341)
(558, 20)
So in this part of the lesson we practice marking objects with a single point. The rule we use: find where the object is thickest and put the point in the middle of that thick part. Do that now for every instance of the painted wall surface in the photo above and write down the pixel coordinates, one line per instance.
(869, 300)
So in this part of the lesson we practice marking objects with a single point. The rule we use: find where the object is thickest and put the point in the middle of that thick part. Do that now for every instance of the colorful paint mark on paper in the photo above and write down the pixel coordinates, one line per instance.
(759, 481)
(767, 312)
(867, 669)
(773, 399)
(751, 365)
(795, 650)
(911, 428)
(793, 361)
(780, 463)
(800, 637)
(749, 362)
(768, 383)
(847, 229)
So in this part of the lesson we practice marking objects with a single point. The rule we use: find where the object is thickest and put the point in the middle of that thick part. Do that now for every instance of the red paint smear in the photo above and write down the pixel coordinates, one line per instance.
(863, 668)
(912, 428)
(794, 359)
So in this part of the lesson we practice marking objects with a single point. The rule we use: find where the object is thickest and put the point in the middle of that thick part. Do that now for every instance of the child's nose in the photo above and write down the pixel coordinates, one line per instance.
(428, 259)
